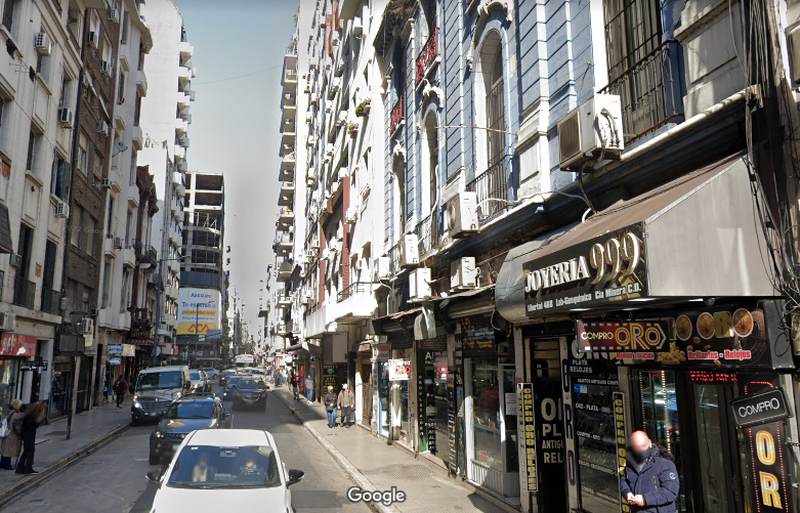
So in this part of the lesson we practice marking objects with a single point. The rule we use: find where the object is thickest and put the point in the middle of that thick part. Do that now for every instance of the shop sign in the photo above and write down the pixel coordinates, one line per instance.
(114, 349)
(628, 340)
(399, 369)
(771, 489)
(550, 443)
(477, 335)
(595, 272)
(12, 344)
(760, 408)
(527, 426)
(329, 377)
(618, 400)
(433, 344)
(115, 361)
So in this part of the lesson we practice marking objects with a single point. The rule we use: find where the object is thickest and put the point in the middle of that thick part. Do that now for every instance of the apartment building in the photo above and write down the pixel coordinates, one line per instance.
(165, 119)
(509, 235)
(123, 329)
(39, 77)
(203, 281)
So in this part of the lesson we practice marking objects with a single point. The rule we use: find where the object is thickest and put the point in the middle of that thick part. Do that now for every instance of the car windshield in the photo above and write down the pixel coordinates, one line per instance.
(191, 410)
(234, 380)
(158, 380)
(225, 467)
(248, 384)
(194, 374)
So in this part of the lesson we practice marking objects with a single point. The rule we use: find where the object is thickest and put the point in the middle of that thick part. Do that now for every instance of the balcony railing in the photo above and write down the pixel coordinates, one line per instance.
(359, 287)
(396, 115)
(428, 234)
(491, 188)
(651, 91)
(24, 292)
(428, 55)
(51, 300)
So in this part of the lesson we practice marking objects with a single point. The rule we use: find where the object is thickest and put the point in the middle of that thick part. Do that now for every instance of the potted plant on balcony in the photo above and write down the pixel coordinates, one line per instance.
(362, 109)
(352, 129)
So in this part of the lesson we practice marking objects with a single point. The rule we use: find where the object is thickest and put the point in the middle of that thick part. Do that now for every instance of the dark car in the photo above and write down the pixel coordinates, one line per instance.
(245, 391)
(225, 376)
(191, 412)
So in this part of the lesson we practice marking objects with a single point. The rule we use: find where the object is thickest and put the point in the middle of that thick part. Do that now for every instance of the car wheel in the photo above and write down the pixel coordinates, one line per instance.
(155, 458)
(134, 421)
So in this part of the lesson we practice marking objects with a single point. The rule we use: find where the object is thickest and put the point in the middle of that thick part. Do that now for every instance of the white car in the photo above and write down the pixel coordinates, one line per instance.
(225, 470)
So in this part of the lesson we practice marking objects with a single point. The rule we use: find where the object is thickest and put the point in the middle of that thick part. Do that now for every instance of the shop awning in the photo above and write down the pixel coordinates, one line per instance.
(393, 323)
(697, 236)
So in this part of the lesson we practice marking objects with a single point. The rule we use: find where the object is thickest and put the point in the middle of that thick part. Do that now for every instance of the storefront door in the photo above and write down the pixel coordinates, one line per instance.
(691, 421)
(383, 398)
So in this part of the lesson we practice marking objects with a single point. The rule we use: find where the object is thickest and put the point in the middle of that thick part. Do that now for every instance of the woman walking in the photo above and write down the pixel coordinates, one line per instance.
(35, 416)
(10, 445)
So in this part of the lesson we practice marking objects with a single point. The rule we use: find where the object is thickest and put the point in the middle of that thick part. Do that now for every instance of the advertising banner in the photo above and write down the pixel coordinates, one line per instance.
(23, 346)
(526, 419)
(399, 369)
(198, 311)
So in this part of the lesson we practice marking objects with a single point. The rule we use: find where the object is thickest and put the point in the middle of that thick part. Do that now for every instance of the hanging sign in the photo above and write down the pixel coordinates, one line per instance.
(399, 369)
(526, 416)
(629, 340)
(12, 344)
(595, 272)
(760, 408)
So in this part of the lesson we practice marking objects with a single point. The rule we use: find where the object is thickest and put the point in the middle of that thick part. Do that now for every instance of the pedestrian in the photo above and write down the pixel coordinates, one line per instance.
(650, 483)
(35, 415)
(330, 401)
(120, 389)
(295, 385)
(346, 401)
(12, 442)
(309, 388)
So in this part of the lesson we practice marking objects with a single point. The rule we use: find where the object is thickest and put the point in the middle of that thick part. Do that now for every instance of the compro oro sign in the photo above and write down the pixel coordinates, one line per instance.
(760, 408)
(198, 311)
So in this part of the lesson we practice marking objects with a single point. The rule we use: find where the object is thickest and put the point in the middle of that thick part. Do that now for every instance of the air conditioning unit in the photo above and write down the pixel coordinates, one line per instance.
(102, 127)
(382, 268)
(463, 274)
(105, 67)
(593, 131)
(42, 43)
(409, 250)
(8, 321)
(14, 260)
(65, 117)
(419, 283)
(462, 214)
(119, 243)
(105, 183)
(87, 326)
(62, 209)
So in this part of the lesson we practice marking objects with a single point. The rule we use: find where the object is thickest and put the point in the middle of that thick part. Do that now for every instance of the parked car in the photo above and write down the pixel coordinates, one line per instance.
(211, 372)
(227, 373)
(200, 382)
(225, 470)
(155, 389)
(246, 391)
(187, 414)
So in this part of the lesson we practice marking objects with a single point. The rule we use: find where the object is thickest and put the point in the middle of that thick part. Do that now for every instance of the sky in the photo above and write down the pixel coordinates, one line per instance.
(238, 52)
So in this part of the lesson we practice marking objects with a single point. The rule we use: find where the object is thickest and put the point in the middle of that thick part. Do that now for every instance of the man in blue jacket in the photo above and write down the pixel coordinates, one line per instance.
(650, 483)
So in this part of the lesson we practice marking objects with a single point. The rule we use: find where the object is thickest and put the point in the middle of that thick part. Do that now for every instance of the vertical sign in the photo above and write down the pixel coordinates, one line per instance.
(550, 444)
(527, 424)
(766, 452)
(618, 400)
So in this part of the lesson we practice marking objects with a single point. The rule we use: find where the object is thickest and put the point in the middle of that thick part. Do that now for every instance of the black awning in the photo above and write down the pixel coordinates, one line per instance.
(396, 322)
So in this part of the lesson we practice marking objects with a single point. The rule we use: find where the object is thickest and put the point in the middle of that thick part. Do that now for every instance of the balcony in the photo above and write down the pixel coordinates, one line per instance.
(24, 293)
(146, 256)
(129, 257)
(396, 116)
(288, 101)
(492, 191)
(286, 171)
(186, 51)
(428, 57)
(51, 301)
(355, 302)
(286, 195)
(289, 82)
(285, 270)
(429, 233)
(286, 215)
(183, 100)
(141, 82)
(283, 244)
(181, 127)
(651, 92)
(137, 140)
(180, 163)
(141, 324)
(284, 300)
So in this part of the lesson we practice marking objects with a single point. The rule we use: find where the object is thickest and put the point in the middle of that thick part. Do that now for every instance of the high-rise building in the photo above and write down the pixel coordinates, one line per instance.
(165, 123)
(203, 283)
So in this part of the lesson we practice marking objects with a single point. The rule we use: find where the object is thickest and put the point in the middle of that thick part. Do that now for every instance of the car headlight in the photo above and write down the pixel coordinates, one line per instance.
(137, 404)
(178, 395)
(159, 434)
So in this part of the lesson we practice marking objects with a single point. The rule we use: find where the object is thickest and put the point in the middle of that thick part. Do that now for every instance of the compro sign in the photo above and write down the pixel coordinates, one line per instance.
(760, 408)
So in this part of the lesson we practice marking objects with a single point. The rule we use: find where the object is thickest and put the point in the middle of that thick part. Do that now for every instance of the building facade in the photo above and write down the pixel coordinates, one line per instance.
(538, 287)
(165, 121)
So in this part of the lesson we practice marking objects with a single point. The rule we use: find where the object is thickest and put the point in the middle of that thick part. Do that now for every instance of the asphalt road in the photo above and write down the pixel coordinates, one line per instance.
(112, 479)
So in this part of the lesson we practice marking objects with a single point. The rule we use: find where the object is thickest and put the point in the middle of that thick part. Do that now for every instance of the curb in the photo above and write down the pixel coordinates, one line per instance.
(353, 473)
(32, 482)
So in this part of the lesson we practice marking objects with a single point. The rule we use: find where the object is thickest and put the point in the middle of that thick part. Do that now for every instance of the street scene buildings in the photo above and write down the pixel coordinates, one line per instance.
(520, 230)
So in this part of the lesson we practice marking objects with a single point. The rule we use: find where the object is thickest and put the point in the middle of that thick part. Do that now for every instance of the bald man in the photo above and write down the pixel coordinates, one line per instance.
(650, 483)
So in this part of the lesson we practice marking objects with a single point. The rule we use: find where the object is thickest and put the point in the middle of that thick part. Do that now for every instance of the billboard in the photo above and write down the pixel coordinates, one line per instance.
(198, 311)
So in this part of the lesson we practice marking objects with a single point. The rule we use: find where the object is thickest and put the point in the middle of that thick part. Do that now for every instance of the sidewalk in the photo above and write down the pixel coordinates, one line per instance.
(89, 430)
(375, 465)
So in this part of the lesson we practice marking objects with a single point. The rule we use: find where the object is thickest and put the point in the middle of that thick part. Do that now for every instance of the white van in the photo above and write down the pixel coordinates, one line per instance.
(155, 389)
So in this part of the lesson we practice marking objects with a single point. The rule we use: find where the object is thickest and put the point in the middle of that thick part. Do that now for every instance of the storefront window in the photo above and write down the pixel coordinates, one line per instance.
(486, 432)
(383, 398)
(8, 377)
(712, 460)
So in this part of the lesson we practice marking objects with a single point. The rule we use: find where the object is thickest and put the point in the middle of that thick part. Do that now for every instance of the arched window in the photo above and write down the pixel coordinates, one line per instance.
(399, 196)
(430, 172)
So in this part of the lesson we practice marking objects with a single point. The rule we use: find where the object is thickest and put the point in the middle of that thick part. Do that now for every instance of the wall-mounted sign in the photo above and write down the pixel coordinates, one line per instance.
(399, 369)
(22, 346)
(760, 408)
(629, 340)
(526, 424)
(709, 377)
(595, 272)
(620, 438)
(477, 334)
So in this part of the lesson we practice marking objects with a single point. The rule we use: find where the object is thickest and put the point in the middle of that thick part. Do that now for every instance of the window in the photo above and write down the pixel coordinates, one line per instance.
(76, 220)
(59, 181)
(121, 89)
(106, 53)
(33, 149)
(94, 29)
(66, 91)
(107, 277)
(399, 197)
(90, 228)
(124, 36)
(110, 218)
(8, 13)
(83, 154)
(128, 224)
(124, 299)
(97, 165)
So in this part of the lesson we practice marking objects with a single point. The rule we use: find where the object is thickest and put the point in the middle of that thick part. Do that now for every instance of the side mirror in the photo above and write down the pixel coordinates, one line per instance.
(154, 476)
(295, 476)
